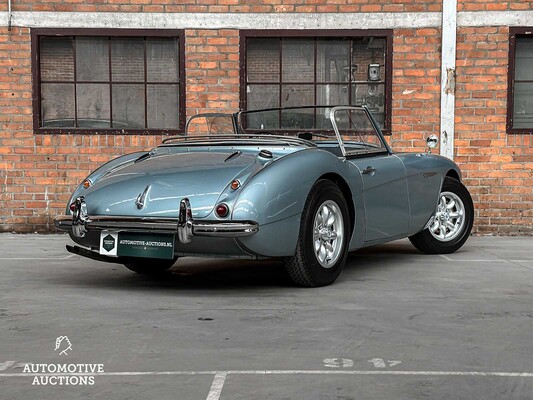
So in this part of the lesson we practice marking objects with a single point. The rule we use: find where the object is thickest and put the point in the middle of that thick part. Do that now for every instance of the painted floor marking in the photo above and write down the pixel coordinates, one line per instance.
(217, 385)
(38, 258)
(286, 372)
(474, 260)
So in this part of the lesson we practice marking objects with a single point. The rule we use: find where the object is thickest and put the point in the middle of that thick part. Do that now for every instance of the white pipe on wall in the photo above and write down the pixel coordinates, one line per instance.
(9, 15)
(447, 99)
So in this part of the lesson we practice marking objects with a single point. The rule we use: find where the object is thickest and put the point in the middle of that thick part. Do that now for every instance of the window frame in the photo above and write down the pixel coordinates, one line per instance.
(386, 34)
(37, 33)
(513, 32)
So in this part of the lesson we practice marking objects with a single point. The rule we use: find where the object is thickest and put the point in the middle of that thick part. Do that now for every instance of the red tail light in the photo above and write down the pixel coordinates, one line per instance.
(222, 210)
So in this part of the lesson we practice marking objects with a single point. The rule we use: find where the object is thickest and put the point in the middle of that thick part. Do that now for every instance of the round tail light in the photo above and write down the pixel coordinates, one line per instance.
(235, 184)
(222, 210)
(72, 206)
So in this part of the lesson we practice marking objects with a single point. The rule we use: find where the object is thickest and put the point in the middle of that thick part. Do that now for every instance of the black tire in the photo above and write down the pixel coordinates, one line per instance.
(304, 268)
(429, 244)
(150, 266)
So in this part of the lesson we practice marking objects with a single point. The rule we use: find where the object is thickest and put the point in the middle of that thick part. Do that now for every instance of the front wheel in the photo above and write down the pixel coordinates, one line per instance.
(322, 245)
(450, 225)
(150, 266)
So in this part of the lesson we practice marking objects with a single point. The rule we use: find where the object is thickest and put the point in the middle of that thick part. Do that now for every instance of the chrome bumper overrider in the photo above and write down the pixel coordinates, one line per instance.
(184, 225)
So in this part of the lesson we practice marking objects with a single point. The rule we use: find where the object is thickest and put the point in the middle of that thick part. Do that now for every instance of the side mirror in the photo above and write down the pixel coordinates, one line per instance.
(431, 142)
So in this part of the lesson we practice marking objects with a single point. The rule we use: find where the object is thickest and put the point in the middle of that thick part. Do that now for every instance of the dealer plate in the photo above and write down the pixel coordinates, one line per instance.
(132, 244)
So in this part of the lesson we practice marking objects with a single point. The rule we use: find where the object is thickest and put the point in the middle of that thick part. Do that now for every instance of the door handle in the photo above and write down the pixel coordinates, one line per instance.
(370, 170)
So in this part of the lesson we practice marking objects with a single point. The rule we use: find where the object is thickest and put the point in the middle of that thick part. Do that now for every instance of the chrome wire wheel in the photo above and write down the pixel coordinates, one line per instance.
(328, 233)
(449, 218)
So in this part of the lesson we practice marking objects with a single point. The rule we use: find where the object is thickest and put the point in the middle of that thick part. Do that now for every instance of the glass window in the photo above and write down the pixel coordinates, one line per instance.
(322, 71)
(521, 85)
(109, 82)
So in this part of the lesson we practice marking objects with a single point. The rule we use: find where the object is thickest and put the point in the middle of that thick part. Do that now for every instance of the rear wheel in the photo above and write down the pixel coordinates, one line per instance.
(322, 245)
(150, 266)
(451, 223)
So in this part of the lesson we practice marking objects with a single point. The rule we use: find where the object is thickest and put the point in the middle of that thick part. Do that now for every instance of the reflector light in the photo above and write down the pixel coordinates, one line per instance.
(86, 183)
(222, 210)
(235, 184)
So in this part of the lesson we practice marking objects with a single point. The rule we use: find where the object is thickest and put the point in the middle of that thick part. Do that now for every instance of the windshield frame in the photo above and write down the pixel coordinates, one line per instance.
(333, 109)
(242, 134)
(377, 130)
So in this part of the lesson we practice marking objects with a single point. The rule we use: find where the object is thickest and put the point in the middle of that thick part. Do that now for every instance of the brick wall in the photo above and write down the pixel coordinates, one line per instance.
(493, 5)
(415, 87)
(498, 167)
(38, 172)
(212, 70)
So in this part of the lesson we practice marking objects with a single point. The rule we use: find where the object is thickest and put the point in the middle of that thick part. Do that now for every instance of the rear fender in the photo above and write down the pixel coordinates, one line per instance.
(276, 195)
(102, 170)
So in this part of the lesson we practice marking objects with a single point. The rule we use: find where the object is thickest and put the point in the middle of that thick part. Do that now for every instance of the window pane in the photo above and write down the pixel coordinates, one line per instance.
(127, 59)
(333, 61)
(163, 107)
(57, 105)
(57, 59)
(259, 97)
(262, 96)
(524, 59)
(93, 105)
(298, 64)
(294, 96)
(367, 51)
(297, 95)
(128, 106)
(162, 59)
(373, 96)
(262, 60)
(92, 59)
(523, 105)
(327, 95)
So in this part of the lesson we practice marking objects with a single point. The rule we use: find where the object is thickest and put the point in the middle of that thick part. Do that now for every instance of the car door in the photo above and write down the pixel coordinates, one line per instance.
(386, 198)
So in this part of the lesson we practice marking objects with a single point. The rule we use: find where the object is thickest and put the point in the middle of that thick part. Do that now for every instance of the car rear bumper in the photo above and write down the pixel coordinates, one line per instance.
(183, 226)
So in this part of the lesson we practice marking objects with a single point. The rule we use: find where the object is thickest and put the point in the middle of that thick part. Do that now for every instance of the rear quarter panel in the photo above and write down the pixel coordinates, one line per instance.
(275, 198)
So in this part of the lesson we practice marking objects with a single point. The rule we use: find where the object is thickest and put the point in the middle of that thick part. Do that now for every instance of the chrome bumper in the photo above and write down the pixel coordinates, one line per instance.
(184, 226)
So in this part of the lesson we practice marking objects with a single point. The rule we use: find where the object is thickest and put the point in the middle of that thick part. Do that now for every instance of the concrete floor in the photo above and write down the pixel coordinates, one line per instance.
(396, 325)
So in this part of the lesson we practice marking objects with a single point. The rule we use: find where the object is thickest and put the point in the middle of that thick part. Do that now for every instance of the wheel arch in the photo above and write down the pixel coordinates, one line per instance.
(346, 192)
(454, 174)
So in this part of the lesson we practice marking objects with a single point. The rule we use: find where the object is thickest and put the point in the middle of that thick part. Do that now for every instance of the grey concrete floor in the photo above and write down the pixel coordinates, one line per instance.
(396, 325)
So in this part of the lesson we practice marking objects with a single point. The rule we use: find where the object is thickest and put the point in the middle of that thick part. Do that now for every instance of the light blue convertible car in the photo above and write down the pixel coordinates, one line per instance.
(306, 184)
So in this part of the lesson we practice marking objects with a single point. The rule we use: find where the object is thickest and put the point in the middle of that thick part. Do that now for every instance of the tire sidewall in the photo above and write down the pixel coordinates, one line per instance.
(456, 187)
(324, 190)
(427, 243)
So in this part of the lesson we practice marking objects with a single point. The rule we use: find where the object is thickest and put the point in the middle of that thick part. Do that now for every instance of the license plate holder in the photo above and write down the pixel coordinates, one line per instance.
(135, 244)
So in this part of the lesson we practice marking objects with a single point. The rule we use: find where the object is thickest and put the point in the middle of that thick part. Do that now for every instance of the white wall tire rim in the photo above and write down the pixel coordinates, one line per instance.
(328, 233)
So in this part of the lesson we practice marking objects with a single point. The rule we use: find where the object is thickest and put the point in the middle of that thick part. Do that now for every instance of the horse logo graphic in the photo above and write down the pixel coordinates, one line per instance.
(63, 340)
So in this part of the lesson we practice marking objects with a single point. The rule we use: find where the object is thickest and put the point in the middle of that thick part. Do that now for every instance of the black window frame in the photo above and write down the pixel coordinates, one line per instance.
(37, 33)
(513, 33)
(386, 34)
